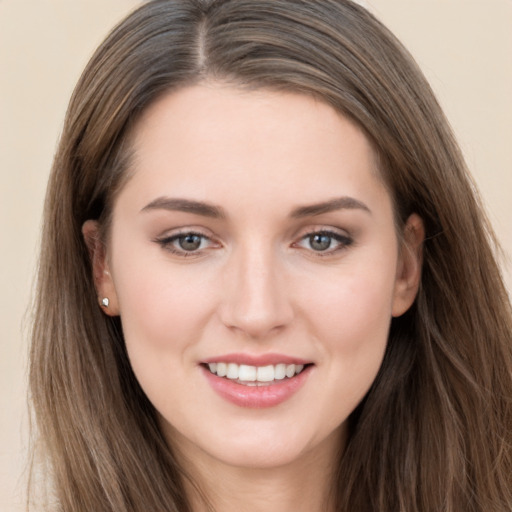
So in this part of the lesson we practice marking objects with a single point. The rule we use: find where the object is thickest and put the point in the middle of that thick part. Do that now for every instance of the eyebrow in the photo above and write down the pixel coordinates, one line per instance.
(187, 206)
(216, 212)
(340, 203)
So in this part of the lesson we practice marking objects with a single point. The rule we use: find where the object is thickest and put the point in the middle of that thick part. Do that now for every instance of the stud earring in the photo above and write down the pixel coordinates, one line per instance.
(105, 302)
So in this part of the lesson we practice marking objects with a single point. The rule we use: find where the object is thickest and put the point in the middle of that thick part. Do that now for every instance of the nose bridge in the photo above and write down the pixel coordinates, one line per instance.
(255, 299)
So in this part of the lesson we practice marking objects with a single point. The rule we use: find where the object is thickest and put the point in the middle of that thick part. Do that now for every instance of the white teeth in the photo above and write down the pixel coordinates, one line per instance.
(247, 373)
(222, 369)
(255, 374)
(265, 373)
(232, 372)
(280, 371)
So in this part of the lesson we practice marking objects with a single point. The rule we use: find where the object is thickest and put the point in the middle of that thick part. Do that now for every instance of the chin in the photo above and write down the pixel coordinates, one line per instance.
(266, 445)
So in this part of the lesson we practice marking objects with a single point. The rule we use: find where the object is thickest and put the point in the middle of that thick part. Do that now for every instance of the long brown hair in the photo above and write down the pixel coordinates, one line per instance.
(434, 433)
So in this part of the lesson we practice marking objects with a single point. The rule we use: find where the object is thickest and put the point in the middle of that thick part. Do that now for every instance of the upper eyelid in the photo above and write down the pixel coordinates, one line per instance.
(311, 230)
(187, 230)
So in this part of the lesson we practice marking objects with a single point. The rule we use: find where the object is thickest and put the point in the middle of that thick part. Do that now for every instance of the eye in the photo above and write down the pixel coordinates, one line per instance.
(320, 241)
(189, 242)
(186, 243)
(327, 242)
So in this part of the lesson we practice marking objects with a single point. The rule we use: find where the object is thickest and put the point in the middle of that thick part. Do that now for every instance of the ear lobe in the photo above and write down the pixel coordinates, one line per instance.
(410, 261)
(102, 277)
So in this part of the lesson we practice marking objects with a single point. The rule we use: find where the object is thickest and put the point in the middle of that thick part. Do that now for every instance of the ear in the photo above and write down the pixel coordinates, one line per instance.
(410, 261)
(103, 281)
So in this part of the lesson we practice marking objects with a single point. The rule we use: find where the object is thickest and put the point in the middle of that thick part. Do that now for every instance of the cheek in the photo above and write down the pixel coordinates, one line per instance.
(156, 297)
(163, 313)
(350, 318)
(353, 326)
(355, 304)
(163, 309)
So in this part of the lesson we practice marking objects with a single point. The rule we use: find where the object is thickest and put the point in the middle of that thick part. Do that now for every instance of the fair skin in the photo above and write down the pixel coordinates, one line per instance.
(254, 229)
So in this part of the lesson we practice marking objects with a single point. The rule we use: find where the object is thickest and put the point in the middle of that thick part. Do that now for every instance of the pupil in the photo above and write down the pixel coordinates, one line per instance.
(190, 242)
(320, 242)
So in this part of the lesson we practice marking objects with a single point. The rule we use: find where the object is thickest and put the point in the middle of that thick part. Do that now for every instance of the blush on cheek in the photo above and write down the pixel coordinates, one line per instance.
(355, 334)
(355, 303)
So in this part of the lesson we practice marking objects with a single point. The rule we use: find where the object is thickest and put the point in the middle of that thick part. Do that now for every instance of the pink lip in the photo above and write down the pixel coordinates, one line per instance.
(256, 359)
(256, 397)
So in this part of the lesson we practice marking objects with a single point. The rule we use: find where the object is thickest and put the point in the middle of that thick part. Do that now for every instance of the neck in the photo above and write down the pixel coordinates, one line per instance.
(304, 485)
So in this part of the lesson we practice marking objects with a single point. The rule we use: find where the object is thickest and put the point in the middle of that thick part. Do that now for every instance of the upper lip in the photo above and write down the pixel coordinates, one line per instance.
(256, 359)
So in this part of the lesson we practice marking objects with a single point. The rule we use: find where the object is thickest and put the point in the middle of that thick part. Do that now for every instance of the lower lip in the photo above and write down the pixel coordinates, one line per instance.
(256, 397)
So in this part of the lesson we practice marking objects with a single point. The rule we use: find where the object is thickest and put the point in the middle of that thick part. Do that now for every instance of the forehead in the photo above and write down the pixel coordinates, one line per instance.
(197, 138)
(197, 113)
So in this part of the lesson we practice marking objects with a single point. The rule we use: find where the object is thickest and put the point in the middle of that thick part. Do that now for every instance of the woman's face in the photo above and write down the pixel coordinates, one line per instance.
(254, 237)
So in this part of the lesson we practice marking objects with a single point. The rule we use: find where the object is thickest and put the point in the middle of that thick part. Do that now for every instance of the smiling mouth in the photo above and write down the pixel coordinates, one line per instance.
(256, 375)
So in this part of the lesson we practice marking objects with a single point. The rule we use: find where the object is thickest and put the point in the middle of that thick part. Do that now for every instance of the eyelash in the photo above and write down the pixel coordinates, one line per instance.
(168, 242)
(343, 241)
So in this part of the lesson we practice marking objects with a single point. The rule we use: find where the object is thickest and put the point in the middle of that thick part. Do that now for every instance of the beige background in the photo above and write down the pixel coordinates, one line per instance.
(464, 47)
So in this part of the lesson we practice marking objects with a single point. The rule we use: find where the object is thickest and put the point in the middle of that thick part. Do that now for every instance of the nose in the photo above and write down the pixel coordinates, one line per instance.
(255, 298)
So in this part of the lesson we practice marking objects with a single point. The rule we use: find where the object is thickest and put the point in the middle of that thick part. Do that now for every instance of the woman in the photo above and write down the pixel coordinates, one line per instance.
(265, 278)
